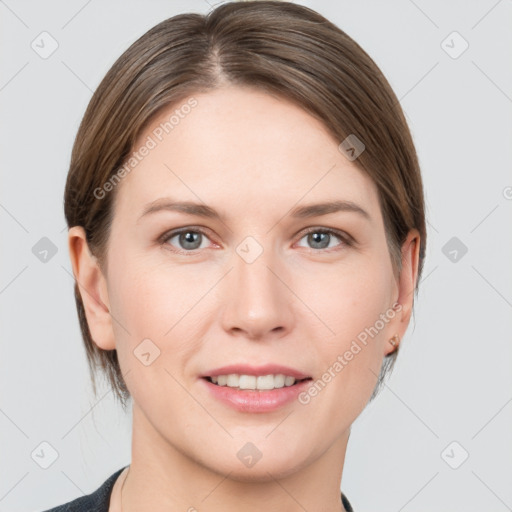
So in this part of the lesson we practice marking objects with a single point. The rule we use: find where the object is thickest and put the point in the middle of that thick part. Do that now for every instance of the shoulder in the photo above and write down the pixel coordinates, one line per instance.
(97, 501)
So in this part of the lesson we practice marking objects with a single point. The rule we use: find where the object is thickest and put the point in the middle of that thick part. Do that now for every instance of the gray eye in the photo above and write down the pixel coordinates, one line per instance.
(321, 239)
(187, 240)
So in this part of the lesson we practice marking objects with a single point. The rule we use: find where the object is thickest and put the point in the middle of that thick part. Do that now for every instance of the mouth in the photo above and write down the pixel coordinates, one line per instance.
(260, 383)
(255, 389)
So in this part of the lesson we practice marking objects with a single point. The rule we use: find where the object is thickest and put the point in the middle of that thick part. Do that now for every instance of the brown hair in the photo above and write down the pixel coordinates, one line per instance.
(282, 48)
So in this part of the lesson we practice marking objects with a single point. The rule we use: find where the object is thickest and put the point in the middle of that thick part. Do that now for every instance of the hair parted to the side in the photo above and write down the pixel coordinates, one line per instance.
(285, 49)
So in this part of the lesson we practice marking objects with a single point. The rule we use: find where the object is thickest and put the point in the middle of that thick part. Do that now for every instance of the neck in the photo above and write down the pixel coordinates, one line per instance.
(163, 476)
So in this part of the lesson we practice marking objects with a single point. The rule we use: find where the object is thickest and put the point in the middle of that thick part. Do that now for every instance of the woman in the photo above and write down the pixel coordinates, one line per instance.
(247, 231)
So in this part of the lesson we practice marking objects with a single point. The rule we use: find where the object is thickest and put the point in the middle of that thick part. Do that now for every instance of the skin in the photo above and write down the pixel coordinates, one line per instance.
(252, 157)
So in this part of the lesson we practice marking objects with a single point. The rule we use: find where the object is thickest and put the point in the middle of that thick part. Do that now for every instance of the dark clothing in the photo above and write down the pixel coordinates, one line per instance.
(99, 500)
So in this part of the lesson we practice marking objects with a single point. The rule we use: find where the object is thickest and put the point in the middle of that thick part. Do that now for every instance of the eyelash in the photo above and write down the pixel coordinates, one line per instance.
(346, 240)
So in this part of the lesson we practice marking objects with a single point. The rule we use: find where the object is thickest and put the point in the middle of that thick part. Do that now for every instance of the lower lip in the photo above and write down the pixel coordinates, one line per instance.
(256, 401)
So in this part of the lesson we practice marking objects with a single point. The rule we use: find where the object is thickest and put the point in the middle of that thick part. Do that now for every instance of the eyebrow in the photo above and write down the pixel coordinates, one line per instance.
(300, 212)
(314, 210)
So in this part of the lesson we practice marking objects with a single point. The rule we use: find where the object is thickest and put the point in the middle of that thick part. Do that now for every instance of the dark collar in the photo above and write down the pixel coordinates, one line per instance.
(99, 500)
(346, 503)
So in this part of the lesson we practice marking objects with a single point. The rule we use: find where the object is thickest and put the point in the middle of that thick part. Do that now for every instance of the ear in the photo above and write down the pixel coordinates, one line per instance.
(406, 286)
(93, 289)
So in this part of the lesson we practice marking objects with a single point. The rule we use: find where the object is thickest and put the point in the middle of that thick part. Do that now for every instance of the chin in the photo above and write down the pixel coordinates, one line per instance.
(279, 464)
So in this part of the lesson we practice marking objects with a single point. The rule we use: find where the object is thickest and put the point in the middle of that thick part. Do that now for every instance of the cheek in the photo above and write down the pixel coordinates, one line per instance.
(357, 309)
(160, 302)
(350, 298)
(151, 295)
(142, 301)
(155, 328)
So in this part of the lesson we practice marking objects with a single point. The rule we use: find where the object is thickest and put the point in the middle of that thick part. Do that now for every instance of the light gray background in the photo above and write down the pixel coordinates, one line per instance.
(453, 379)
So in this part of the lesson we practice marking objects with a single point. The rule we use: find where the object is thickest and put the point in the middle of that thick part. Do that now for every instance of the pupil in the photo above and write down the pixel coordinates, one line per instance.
(319, 238)
(189, 238)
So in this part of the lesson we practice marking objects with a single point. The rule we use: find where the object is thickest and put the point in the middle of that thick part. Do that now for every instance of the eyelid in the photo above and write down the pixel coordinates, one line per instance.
(342, 235)
(176, 231)
(162, 239)
(345, 238)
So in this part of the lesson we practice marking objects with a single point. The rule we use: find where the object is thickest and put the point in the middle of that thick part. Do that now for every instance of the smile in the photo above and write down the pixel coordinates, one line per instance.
(253, 382)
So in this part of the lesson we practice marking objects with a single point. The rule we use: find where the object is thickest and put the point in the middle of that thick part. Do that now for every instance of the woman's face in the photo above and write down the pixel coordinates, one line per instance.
(246, 284)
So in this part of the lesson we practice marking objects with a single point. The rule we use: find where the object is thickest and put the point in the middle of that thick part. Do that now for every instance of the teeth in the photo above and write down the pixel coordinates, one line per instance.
(233, 380)
(267, 382)
(262, 382)
(244, 381)
(288, 381)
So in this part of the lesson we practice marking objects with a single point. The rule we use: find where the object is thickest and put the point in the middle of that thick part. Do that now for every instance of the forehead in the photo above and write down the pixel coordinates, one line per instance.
(244, 146)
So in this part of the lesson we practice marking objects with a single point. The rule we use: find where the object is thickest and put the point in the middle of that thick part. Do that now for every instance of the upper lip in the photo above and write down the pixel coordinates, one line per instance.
(267, 369)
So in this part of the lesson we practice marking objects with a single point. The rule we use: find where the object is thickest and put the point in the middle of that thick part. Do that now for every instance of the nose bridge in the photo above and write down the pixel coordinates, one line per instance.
(259, 301)
(254, 280)
(256, 275)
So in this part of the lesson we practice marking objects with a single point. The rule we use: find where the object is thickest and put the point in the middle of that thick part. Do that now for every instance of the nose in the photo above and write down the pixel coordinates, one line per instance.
(258, 303)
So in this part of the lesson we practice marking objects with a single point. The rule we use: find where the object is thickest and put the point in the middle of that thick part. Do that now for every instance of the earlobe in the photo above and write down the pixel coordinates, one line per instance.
(93, 289)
